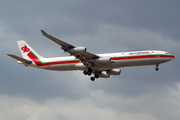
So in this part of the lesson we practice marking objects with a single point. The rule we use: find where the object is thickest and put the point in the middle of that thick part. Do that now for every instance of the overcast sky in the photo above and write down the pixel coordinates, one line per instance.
(102, 26)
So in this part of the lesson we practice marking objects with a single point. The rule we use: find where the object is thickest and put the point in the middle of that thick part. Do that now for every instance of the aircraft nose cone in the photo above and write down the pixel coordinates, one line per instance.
(171, 57)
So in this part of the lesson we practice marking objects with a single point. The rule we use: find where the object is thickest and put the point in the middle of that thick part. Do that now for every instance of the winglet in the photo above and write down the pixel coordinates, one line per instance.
(44, 33)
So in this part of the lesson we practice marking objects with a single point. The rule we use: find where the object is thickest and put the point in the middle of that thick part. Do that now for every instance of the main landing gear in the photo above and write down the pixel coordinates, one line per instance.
(95, 76)
(89, 72)
(157, 65)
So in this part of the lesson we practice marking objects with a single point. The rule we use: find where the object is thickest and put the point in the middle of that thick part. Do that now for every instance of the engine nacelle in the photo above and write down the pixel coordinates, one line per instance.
(104, 60)
(114, 72)
(78, 50)
(104, 75)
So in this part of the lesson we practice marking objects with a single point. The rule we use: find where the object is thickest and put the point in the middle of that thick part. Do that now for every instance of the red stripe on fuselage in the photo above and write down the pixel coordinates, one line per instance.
(34, 59)
(141, 57)
(170, 56)
(61, 62)
(37, 62)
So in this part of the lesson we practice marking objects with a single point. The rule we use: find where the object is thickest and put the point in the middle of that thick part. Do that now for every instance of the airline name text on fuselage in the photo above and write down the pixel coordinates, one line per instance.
(138, 53)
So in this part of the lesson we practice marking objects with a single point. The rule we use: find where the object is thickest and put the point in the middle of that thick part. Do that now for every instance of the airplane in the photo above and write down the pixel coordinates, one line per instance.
(100, 65)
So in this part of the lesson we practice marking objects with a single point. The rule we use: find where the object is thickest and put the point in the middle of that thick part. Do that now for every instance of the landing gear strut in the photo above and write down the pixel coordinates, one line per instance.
(157, 65)
(89, 71)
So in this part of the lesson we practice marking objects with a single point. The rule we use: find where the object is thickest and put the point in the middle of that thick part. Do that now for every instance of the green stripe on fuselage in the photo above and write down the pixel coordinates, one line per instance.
(36, 57)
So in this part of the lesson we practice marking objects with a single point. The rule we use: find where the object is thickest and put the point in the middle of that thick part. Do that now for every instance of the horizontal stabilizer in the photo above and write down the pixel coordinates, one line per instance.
(20, 59)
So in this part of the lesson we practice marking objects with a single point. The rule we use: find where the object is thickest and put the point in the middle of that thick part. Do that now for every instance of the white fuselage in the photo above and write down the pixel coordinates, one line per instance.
(118, 60)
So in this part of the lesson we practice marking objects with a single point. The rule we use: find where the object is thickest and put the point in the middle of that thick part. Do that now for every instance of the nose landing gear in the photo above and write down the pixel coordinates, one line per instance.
(157, 65)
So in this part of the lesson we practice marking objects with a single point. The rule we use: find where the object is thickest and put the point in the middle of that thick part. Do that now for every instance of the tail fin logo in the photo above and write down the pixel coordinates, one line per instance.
(25, 49)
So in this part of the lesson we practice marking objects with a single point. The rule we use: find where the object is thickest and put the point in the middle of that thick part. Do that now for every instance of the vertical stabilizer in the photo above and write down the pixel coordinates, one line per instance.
(25, 49)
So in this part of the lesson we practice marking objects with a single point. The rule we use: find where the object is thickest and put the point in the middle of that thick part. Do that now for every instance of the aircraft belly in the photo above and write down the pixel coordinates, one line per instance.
(107, 66)
(131, 62)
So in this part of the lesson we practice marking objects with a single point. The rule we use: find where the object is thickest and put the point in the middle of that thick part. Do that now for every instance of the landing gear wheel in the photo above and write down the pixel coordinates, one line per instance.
(85, 72)
(92, 78)
(89, 71)
(96, 76)
(156, 69)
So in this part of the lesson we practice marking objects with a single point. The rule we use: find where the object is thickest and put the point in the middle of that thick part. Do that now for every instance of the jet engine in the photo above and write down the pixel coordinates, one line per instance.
(78, 50)
(103, 75)
(114, 72)
(105, 60)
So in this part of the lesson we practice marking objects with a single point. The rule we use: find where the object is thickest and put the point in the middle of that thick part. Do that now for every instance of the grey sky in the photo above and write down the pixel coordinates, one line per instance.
(28, 93)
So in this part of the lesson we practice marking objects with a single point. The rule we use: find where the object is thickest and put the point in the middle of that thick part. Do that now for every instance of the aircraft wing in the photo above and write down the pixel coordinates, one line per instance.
(85, 57)
(20, 59)
(63, 44)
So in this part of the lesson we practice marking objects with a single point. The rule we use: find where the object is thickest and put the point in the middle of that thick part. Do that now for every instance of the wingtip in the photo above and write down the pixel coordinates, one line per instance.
(44, 33)
(8, 54)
